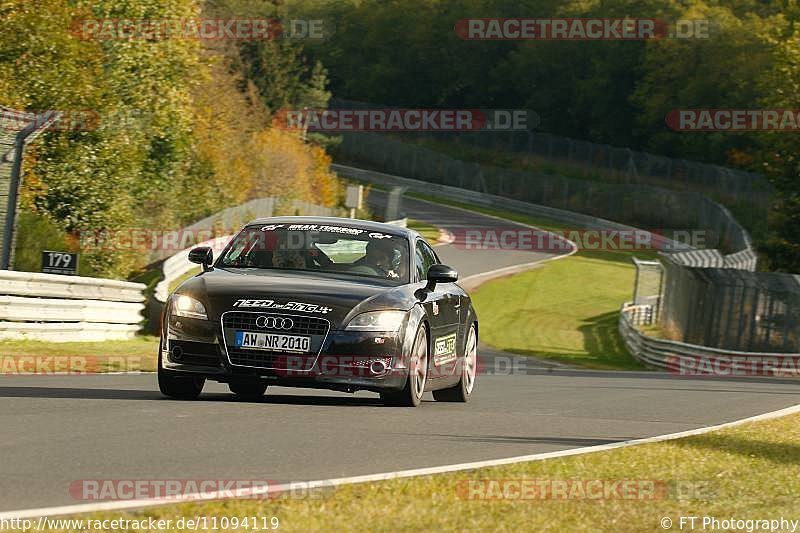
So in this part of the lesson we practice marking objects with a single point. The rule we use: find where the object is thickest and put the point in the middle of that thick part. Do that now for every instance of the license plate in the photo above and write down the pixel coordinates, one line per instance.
(272, 341)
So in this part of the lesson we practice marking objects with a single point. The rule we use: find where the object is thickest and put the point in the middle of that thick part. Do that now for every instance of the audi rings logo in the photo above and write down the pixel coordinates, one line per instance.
(274, 322)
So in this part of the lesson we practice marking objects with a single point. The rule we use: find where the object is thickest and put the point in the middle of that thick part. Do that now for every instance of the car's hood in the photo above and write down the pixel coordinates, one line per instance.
(332, 298)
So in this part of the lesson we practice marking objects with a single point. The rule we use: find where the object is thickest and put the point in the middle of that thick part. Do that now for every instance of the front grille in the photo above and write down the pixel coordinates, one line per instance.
(234, 321)
(303, 325)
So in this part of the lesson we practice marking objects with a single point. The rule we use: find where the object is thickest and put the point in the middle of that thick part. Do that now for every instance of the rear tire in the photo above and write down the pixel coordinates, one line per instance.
(462, 390)
(411, 395)
(248, 390)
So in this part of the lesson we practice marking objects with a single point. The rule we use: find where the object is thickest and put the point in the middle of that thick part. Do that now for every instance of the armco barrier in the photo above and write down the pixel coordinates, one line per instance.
(616, 164)
(576, 220)
(651, 351)
(675, 356)
(624, 202)
(232, 218)
(68, 308)
(179, 265)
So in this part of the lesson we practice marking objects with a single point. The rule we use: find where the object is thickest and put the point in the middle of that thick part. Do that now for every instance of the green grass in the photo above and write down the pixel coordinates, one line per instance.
(748, 472)
(567, 310)
(428, 231)
(570, 307)
(139, 353)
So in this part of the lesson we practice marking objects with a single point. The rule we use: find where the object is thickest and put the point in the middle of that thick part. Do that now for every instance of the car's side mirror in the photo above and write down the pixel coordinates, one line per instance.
(202, 255)
(441, 274)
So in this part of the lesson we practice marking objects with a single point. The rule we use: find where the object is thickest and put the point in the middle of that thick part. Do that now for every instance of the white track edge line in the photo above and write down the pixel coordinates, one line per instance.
(138, 504)
(245, 493)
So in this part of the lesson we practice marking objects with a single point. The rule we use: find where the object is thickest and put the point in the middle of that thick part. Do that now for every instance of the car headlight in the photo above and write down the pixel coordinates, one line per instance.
(377, 321)
(187, 306)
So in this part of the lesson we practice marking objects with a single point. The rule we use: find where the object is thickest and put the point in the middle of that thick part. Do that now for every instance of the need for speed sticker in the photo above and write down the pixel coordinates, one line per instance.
(288, 306)
(444, 350)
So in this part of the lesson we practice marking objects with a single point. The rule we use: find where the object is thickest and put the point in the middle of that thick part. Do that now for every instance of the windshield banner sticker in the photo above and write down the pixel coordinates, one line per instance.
(329, 229)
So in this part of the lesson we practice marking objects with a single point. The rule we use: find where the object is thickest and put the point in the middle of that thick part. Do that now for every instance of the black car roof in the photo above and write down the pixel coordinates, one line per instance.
(368, 225)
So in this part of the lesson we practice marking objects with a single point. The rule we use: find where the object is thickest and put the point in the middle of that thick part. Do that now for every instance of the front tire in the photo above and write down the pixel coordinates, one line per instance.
(252, 390)
(411, 395)
(179, 387)
(462, 390)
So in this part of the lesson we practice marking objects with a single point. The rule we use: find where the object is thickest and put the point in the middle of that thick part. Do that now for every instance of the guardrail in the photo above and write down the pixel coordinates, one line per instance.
(68, 308)
(233, 218)
(179, 265)
(676, 357)
(658, 353)
(625, 202)
(576, 220)
(615, 163)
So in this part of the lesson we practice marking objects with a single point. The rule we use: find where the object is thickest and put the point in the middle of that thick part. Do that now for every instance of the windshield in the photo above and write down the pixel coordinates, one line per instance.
(320, 248)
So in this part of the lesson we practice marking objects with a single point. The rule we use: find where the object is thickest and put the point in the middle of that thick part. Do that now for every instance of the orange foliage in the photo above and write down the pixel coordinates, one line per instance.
(247, 158)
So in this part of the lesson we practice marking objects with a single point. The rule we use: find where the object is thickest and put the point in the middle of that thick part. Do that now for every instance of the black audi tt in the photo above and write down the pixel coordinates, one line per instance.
(320, 302)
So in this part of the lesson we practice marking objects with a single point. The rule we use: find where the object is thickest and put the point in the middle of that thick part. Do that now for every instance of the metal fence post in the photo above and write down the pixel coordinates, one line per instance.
(35, 124)
(11, 209)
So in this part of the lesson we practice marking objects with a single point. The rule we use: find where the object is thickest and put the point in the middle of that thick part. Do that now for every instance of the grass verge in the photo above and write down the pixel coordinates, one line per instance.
(567, 310)
(139, 353)
(747, 472)
(428, 231)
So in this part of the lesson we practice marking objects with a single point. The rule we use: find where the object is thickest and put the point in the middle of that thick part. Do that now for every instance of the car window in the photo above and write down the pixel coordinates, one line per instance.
(340, 249)
(434, 257)
(425, 257)
(344, 251)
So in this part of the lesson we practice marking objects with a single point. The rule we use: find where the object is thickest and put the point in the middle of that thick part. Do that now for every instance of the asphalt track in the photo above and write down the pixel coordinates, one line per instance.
(59, 429)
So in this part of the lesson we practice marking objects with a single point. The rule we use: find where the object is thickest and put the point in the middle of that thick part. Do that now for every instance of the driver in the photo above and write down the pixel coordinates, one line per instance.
(380, 257)
(287, 255)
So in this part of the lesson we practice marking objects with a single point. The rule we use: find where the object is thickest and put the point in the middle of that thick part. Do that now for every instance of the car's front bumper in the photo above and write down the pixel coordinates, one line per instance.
(347, 360)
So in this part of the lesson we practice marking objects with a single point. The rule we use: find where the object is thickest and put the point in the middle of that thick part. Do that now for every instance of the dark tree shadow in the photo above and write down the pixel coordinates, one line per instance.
(78, 393)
